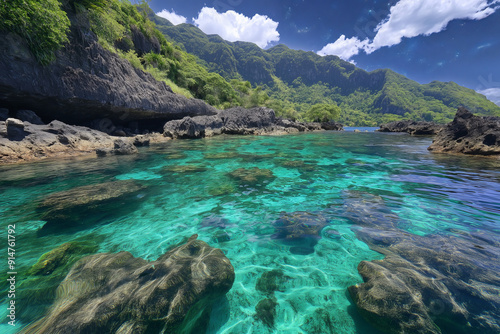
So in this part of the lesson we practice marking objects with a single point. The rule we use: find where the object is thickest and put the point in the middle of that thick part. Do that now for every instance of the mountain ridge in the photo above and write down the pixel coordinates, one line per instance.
(378, 96)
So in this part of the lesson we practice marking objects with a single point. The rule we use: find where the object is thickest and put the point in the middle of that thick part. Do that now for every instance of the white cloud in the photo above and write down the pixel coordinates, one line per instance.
(411, 18)
(233, 26)
(493, 94)
(344, 48)
(174, 18)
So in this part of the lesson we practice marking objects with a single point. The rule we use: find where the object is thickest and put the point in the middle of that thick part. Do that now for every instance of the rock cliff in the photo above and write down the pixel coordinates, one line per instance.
(86, 82)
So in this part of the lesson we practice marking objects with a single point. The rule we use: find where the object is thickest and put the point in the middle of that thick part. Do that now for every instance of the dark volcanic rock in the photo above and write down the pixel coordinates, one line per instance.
(425, 284)
(412, 127)
(87, 82)
(120, 147)
(240, 121)
(301, 230)
(246, 121)
(118, 293)
(469, 134)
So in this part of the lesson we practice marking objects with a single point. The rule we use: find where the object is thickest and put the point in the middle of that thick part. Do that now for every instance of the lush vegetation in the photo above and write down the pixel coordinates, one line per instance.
(297, 80)
(43, 24)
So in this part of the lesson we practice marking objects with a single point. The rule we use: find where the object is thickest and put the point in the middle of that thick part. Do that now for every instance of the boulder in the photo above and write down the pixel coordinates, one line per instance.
(412, 127)
(15, 129)
(239, 120)
(118, 293)
(332, 126)
(469, 134)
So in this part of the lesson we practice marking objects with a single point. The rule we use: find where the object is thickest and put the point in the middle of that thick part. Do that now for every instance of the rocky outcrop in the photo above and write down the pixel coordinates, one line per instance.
(412, 127)
(469, 134)
(87, 82)
(442, 283)
(23, 141)
(118, 293)
(240, 121)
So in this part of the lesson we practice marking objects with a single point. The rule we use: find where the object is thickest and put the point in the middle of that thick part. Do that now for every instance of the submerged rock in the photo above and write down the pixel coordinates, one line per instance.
(271, 281)
(431, 284)
(300, 229)
(184, 169)
(425, 284)
(469, 134)
(412, 127)
(265, 311)
(72, 208)
(118, 293)
(252, 176)
(37, 286)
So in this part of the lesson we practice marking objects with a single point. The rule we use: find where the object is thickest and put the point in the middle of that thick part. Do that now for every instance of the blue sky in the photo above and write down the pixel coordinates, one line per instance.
(426, 40)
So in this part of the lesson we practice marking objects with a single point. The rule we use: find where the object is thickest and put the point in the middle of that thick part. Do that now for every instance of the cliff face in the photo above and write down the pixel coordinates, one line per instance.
(86, 82)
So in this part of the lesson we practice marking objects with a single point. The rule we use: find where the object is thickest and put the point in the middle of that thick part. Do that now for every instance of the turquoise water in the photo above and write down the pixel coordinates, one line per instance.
(189, 189)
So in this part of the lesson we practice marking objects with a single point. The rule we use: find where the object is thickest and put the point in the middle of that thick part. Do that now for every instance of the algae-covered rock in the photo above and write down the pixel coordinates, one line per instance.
(265, 311)
(221, 155)
(37, 286)
(300, 229)
(224, 188)
(251, 176)
(185, 169)
(71, 208)
(271, 281)
(298, 164)
(118, 293)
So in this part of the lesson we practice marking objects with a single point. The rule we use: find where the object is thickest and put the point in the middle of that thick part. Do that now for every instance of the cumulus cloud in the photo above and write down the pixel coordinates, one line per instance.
(493, 94)
(233, 26)
(174, 18)
(411, 18)
(343, 47)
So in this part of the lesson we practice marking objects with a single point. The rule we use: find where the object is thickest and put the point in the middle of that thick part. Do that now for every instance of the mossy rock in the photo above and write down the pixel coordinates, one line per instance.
(257, 157)
(175, 156)
(265, 311)
(252, 176)
(299, 164)
(64, 255)
(225, 188)
(185, 169)
(37, 286)
(221, 155)
(271, 281)
(83, 206)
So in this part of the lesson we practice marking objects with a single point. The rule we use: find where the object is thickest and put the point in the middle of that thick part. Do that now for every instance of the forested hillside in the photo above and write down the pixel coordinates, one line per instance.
(295, 80)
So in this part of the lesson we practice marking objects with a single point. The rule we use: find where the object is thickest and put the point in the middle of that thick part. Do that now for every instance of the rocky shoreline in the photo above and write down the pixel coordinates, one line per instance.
(27, 138)
(469, 134)
(412, 127)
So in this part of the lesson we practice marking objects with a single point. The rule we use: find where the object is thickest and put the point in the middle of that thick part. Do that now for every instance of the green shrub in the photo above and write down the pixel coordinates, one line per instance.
(43, 24)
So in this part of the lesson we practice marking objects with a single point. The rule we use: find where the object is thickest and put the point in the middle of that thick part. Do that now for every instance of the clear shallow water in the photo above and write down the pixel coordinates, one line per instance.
(189, 191)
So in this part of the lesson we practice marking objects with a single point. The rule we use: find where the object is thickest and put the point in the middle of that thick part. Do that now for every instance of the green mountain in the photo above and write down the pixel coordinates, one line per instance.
(295, 80)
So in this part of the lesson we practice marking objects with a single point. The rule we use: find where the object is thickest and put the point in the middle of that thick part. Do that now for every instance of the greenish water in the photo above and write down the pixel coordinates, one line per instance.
(189, 190)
